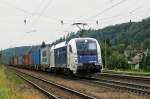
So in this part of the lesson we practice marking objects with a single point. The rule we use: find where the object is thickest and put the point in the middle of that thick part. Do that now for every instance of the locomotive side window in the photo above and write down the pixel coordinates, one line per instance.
(60, 56)
(44, 58)
(44, 53)
(70, 48)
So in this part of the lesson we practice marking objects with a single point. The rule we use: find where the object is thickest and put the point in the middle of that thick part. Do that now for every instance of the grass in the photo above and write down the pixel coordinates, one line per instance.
(14, 78)
(9, 85)
(137, 72)
(5, 91)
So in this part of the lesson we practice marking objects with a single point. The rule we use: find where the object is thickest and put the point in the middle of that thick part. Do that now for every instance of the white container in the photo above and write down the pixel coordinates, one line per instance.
(45, 56)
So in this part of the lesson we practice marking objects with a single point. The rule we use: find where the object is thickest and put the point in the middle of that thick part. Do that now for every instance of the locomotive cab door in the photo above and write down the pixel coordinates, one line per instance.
(71, 58)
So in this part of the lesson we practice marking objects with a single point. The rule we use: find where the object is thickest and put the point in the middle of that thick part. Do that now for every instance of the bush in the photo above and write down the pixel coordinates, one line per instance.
(145, 62)
(117, 61)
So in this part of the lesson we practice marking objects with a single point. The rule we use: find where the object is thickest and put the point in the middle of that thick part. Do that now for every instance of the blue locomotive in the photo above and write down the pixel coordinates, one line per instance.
(81, 56)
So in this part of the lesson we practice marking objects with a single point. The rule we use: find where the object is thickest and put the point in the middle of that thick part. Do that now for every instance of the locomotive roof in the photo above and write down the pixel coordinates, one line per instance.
(62, 44)
(87, 38)
(59, 45)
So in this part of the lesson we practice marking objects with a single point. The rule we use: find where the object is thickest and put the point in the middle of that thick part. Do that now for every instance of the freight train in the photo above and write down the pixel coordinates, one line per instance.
(79, 56)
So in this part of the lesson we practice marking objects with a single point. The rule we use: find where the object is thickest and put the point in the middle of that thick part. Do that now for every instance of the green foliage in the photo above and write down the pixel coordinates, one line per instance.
(138, 72)
(5, 90)
(14, 78)
(146, 44)
(147, 59)
(117, 60)
(11, 86)
(145, 62)
(142, 61)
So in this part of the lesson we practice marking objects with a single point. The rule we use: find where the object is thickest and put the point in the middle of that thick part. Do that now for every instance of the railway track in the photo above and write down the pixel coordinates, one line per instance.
(124, 76)
(131, 84)
(38, 87)
(113, 83)
(139, 89)
(51, 89)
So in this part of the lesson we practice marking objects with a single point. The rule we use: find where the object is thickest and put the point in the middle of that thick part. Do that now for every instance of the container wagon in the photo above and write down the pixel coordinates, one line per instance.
(36, 59)
(45, 58)
(20, 60)
(27, 60)
(79, 56)
(16, 60)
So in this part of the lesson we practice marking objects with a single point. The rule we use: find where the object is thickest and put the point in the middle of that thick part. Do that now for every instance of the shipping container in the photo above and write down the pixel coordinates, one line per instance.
(45, 56)
(20, 60)
(27, 59)
(16, 60)
(11, 60)
(36, 59)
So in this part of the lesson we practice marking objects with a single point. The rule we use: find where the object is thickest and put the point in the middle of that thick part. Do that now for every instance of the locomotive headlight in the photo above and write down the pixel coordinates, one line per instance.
(76, 61)
(73, 66)
(99, 60)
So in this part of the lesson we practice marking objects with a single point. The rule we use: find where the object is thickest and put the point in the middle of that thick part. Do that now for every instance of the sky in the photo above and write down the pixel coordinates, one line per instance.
(43, 18)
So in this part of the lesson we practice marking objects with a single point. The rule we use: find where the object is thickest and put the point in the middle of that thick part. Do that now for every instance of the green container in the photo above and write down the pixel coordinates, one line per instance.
(20, 60)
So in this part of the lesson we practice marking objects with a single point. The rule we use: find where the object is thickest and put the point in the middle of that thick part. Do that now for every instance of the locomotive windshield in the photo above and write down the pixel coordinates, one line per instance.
(86, 47)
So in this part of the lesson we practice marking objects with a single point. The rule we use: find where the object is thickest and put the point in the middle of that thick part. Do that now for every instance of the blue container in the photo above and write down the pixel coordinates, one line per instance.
(36, 58)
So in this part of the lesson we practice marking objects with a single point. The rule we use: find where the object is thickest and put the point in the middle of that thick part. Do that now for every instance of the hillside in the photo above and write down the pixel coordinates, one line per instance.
(131, 33)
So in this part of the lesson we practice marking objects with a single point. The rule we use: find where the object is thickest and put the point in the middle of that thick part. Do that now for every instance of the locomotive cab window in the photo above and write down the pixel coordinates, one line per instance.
(86, 47)
(92, 46)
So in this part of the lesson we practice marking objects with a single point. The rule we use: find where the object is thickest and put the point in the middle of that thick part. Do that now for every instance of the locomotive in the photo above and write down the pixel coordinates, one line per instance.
(79, 56)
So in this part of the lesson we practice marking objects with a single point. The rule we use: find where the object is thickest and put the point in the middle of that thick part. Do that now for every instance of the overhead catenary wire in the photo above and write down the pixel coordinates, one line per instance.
(40, 14)
(132, 12)
(36, 10)
(107, 9)
(139, 7)
(30, 16)
(26, 11)
(15, 7)
(49, 17)
(67, 21)
(43, 10)
(124, 14)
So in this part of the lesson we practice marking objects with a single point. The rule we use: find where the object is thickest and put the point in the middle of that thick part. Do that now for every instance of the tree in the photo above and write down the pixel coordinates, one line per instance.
(142, 61)
(146, 44)
(108, 48)
(145, 62)
(121, 48)
(117, 60)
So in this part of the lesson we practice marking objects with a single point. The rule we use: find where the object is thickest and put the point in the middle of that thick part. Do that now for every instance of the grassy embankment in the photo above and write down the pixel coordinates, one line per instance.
(12, 87)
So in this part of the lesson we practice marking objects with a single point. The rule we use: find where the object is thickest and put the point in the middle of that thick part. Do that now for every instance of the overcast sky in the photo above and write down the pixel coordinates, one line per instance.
(43, 18)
